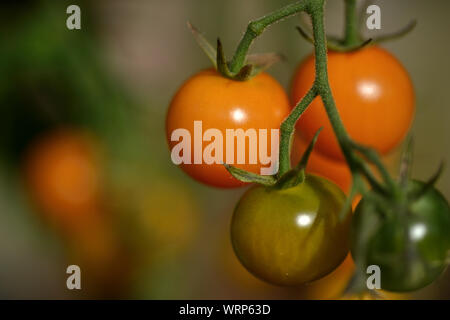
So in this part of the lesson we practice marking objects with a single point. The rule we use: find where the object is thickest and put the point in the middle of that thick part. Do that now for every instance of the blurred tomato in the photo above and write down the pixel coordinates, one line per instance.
(63, 176)
(164, 215)
(104, 261)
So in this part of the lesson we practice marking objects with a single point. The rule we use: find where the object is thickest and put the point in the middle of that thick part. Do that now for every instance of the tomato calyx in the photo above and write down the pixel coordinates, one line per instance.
(254, 64)
(335, 44)
(339, 45)
(290, 179)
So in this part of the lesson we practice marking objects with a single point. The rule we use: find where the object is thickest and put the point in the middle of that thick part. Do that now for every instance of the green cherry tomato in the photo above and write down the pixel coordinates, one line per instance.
(291, 236)
(411, 249)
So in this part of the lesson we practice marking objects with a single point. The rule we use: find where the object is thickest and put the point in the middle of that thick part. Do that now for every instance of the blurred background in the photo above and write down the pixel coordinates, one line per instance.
(85, 173)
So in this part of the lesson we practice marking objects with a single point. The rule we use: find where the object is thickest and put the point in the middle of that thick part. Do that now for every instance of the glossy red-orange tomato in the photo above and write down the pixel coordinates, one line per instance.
(374, 96)
(220, 103)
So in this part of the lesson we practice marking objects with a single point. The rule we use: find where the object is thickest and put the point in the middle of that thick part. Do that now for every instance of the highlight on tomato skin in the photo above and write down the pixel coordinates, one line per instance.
(222, 104)
(374, 96)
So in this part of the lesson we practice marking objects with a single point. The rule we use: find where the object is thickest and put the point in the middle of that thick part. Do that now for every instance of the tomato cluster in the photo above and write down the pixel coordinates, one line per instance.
(298, 234)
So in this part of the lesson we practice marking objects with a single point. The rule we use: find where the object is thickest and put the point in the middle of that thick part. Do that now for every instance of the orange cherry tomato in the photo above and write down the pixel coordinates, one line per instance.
(374, 96)
(220, 103)
(62, 171)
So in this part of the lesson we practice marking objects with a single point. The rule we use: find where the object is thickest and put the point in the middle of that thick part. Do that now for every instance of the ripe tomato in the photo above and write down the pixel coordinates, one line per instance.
(62, 171)
(410, 250)
(220, 103)
(291, 236)
(374, 96)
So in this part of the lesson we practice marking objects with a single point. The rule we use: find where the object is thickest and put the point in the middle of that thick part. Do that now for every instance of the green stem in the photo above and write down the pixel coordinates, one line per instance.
(352, 36)
(256, 27)
(321, 82)
(287, 131)
(321, 86)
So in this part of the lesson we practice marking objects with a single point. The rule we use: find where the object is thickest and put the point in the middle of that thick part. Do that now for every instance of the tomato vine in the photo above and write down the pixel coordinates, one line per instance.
(382, 194)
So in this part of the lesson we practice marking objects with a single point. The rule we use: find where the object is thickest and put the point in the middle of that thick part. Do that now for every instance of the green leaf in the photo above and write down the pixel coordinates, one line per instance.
(251, 177)
(204, 44)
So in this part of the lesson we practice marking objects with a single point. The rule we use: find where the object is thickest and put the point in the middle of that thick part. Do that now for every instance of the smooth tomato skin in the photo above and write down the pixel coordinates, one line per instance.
(293, 236)
(374, 96)
(220, 103)
(424, 238)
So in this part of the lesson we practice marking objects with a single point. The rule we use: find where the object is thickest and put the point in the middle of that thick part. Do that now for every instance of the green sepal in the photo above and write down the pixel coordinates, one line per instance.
(398, 34)
(245, 73)
(297, 175)
(333, 44)
(222, 65)
(262, 61)
(291, 179)
(245, 176)
(204, 44)
(255, 64)
(428, 185)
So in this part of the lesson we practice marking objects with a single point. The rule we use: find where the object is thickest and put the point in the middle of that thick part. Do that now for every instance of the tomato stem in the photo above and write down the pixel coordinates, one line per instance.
(352, 36)
(321, 87)
(287, 131)
(256, 27)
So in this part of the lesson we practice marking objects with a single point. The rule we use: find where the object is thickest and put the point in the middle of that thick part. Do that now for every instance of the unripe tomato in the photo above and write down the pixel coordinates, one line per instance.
(374, 96)
(220, 103)
(291, 236)
(62, 171)
(410, 250)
